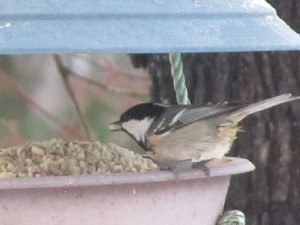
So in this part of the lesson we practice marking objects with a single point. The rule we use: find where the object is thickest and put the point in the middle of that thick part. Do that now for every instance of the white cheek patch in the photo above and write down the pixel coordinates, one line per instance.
(138, 128)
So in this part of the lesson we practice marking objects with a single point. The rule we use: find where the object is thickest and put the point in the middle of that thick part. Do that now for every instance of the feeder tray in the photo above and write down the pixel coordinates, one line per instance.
(123, 199)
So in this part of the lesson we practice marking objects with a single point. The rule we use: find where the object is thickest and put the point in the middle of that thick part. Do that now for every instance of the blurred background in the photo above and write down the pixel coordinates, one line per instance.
(36, 103)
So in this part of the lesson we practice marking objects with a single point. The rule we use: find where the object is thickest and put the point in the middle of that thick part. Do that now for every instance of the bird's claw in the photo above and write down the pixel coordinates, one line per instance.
(202, 165)
(176, 167)
(176, 172)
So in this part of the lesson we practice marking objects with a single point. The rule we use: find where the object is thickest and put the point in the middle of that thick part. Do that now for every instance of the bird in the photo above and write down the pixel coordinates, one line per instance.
(176, 136)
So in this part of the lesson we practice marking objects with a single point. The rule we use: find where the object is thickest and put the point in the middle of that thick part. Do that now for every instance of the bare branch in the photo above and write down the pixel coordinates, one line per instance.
(65, 73)
(104, 86)
(6, 79)
(104, 66)
(107, 87)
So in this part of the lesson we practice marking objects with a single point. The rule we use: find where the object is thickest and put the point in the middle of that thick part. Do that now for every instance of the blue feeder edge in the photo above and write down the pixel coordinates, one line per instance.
(49, 26)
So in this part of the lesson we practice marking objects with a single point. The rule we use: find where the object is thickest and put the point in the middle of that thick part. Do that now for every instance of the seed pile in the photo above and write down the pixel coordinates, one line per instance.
(61, 158)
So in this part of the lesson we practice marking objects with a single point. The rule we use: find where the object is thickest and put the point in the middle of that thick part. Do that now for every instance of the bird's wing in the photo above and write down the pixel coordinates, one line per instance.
(176, 117)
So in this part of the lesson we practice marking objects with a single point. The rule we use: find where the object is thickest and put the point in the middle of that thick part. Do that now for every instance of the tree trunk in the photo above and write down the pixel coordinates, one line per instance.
(271, 194)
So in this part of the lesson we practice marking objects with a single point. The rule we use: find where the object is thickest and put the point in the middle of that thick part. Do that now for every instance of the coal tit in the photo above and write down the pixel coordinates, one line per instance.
(188, 133)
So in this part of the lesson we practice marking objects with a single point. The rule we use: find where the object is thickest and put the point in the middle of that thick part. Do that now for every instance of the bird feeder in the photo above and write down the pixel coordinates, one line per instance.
(156, 26)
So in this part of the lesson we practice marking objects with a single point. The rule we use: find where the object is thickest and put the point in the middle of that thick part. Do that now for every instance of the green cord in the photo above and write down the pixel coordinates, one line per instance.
(178, 79)
(232, 217)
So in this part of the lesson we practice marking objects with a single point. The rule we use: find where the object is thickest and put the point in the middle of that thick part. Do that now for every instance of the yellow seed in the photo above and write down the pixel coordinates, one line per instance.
(37, 151)
(58, 157)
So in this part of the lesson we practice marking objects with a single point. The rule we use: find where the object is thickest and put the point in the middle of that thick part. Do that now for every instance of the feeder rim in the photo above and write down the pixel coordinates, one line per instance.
(232, 166)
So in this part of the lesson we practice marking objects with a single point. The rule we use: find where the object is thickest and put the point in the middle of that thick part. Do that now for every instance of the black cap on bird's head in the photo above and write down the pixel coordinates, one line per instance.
(137, 113)
(137, 120)
(140, 111)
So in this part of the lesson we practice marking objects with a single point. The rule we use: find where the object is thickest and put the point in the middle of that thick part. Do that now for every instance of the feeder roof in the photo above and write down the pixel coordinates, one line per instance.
(148, 26)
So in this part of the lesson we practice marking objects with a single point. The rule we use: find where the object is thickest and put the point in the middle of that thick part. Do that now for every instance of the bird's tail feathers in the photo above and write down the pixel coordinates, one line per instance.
(261, 105)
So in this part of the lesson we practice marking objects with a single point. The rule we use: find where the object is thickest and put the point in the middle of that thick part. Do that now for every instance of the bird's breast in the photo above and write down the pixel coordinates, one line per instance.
(199, 141)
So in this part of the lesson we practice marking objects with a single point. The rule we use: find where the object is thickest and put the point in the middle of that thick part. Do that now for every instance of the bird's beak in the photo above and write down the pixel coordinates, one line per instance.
(115, 126)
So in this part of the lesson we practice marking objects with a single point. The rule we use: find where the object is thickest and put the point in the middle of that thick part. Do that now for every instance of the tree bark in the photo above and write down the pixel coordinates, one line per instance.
(271, 194)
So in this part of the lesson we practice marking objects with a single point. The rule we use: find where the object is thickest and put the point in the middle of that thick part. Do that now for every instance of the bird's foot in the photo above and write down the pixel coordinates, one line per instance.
(176, 167)
(202, 165)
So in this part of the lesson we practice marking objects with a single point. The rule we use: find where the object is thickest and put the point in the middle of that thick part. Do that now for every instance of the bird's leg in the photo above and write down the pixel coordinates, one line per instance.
(175, 166)
(175, 170)
(202, 165)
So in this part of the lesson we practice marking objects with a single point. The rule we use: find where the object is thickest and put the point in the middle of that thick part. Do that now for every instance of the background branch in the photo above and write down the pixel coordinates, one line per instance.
(104, 86)
(65, 73)
(107, 87)
(108, 66)
(8, 81)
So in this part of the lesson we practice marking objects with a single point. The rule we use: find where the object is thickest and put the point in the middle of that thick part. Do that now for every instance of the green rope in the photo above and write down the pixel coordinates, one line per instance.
(178, 79)
(232, 217)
